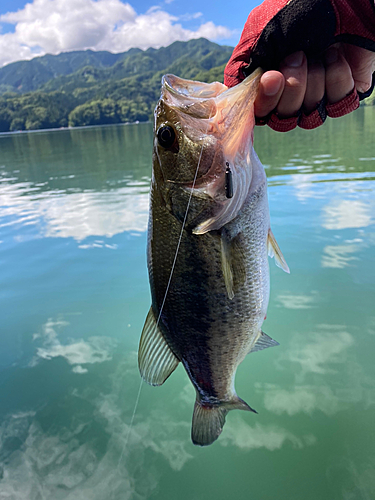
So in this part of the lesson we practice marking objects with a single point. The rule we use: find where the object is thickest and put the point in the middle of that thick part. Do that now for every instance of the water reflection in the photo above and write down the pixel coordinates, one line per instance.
(272, 438)
(290, 301)
(74, 294)
(302, 398)
(77, 353)
(72, 187)
(78, 215)
(79, 441)
(317, 359)
(338, 256)
(362, 479)
(326, 347)
(343, 214)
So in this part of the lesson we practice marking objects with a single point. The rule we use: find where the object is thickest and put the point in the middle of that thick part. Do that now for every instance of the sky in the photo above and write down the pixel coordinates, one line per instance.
(37, 27)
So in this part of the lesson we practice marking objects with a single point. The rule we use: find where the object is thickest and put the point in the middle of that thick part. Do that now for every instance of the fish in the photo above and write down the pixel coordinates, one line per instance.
(208, 243)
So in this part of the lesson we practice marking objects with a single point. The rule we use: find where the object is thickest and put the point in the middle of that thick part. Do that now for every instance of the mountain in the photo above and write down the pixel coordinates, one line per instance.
(89, 88)
(26, 76)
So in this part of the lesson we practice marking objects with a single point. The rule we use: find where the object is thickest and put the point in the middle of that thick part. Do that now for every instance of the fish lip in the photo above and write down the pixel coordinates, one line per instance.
(168, 86)
(191, 97)
(177, 89)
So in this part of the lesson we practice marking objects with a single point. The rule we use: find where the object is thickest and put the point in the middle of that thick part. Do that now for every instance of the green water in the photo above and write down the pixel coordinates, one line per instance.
(74, 295)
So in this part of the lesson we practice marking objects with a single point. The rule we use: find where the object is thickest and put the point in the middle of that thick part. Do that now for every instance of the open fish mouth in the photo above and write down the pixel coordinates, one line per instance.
(229, 111)
(212, 112)
(195, 99)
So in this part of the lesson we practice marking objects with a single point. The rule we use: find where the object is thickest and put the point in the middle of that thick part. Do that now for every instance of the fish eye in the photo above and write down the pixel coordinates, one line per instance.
(166, 136)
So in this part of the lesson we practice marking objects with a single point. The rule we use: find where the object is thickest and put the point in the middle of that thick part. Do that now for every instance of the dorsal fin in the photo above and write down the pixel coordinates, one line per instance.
(156, 361)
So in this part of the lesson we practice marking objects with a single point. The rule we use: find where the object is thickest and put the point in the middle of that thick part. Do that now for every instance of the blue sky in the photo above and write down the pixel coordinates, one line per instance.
(52, 26)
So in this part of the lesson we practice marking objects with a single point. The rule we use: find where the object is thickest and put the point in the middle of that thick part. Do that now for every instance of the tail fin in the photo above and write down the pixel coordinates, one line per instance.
(209, 420)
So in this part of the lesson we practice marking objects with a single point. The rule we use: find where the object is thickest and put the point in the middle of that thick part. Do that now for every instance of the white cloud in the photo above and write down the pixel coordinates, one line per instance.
(54, 26)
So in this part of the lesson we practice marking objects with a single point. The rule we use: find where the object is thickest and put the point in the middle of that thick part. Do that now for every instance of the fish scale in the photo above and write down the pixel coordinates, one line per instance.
(208, 301)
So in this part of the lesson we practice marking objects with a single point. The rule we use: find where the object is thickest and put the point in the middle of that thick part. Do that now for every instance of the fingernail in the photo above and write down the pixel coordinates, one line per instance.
(363, 86)
(272, 88)
(294, 60)
(331, 55)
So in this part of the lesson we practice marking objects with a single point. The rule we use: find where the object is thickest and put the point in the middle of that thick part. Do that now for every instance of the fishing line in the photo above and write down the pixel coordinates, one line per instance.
(181, 232)
(130, 425)
(167, 288)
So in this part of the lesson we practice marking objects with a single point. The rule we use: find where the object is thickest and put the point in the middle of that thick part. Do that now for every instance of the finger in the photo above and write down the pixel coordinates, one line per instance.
(294, 69)
(315, 86)
(339, 79)
(270, 89)
(362, 64)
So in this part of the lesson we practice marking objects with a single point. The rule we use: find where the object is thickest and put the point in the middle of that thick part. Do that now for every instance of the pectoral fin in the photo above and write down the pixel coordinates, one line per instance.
(274, 251)
(232, 263)
(156, 361)
(226, 267)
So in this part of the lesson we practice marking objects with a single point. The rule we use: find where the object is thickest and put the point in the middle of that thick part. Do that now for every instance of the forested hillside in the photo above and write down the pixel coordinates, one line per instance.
(91, 88)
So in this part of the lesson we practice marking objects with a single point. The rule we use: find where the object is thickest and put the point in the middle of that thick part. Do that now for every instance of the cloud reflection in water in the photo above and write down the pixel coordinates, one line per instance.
(325, 348)
(294, 301)
(302, 398)
(240, 434)
(316, 355)
(343, 214)
(58, 214)
(52, 452)
(338, 256)
(77, 353)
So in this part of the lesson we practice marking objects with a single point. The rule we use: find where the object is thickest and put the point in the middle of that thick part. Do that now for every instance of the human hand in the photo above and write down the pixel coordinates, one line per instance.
(301, 84)
(315, 58)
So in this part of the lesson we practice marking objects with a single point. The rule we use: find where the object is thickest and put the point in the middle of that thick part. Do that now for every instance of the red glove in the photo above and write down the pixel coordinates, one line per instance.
(278, 28)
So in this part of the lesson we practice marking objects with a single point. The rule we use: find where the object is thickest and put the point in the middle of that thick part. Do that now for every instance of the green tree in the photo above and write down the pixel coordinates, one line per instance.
(17, 124)
(6, 117)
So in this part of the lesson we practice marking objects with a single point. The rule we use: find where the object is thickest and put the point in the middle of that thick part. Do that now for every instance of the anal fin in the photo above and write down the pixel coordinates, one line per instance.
(274, 251)
(263, 342)
(156, 361)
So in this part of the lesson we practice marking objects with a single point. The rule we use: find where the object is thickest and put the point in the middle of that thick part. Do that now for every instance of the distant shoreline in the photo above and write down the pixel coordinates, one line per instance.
(62, 129)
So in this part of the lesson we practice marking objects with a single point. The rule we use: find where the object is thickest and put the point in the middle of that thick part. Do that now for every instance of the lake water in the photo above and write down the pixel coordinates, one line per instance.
(74, 295)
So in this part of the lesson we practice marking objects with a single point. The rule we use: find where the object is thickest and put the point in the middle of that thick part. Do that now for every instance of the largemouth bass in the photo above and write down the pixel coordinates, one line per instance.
(208, 239)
